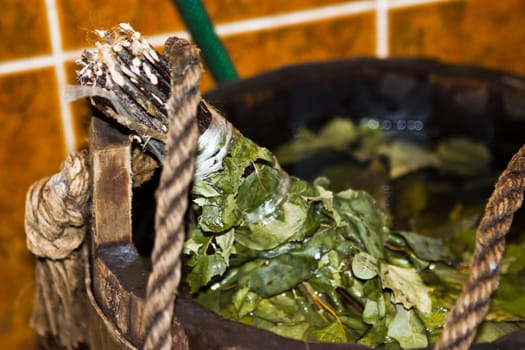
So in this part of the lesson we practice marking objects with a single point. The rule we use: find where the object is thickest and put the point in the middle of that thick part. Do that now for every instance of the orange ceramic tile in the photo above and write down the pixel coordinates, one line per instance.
(32, 148)
(80, 18)
(331, 39)
(23, 29)
(232, 10)
(483, 32)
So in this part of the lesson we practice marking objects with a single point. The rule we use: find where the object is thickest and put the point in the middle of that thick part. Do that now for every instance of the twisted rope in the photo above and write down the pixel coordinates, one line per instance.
(55, 212)
(473, 303)
(55, 224)
(172, 195)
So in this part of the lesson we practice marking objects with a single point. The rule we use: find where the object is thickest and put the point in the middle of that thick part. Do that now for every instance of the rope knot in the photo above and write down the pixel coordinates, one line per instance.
(55, 216)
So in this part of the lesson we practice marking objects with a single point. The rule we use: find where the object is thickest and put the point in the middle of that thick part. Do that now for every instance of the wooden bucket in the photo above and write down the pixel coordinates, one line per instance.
(485, 105)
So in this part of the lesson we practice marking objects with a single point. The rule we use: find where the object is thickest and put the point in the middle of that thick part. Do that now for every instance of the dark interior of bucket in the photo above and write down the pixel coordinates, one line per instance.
(419, 100)
(448, 100)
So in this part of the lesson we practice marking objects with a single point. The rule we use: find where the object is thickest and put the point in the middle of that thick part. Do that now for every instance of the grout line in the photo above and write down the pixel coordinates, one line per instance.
(397, 4)
(382, 30)
(25, 64)
(226, 29)
(60, 75)
(293, 18)
(159, 39)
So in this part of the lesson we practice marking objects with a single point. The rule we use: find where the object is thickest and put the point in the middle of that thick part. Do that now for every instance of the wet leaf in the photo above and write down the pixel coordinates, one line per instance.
(195, 242)
(515, 306)
(427, 248)
(220, 214)
(204, 268)
(514, 259)
(333, 333)
(406, 157)
(204, 189)
(260, 186)
(364, 218)
(285, 271)
(407, 286)
(491, 331)
(463, 156)
(245, 302)
(364, 266)
(337, 134)
(375, 336)
(273, 231)
(375, 307)
(305, 262)
(407, 329)
(225, 243)
(294, 330)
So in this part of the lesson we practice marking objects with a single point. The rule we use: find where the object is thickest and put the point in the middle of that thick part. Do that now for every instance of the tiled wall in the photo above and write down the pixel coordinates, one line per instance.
(39, 40)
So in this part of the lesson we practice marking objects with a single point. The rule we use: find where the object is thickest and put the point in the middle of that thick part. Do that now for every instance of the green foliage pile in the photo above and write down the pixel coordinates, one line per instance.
(304, 261)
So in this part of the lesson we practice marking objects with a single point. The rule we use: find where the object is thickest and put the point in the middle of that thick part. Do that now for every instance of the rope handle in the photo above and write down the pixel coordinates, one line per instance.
(172, 193)
(474, 301)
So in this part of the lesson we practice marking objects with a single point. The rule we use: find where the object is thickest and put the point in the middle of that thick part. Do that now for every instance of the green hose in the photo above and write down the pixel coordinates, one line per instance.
(201, 29)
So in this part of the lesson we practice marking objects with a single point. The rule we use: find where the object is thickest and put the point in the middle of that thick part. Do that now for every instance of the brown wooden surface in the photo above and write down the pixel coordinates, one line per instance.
(111, 162)
(113, 254)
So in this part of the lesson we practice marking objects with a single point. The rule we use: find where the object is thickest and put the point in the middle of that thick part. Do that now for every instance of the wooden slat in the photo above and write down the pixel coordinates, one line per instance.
(111, 166)
(119, 275)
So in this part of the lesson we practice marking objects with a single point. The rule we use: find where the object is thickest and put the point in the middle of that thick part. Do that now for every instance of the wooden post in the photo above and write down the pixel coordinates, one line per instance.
(119, 274)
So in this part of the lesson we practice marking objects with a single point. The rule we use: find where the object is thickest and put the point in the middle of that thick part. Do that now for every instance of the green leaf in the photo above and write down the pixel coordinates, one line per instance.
(406, 157)
(244, 301)
(271, 232)
(220, 215)
(279, 274)
(515, 306)
(204, 189)
(364, 266)
(229, 179)
(244, 152)
(196, 240)
(363, 217)
(260, 186)
(407, 329)
(514, 259)
(491, 331)
(287, 330)
(375, 335)
(463, 156)
(272, 276)
(333, 333)
(427, 248)
(204, 268)
(336, 135)
(407, 286)
(375, 307)
(329, 267)
(225, 243)
(279, 309)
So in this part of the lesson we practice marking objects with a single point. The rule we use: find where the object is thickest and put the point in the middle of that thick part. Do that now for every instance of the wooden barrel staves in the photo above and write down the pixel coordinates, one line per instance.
(117, 283)
(119, 274)
(116, 271)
